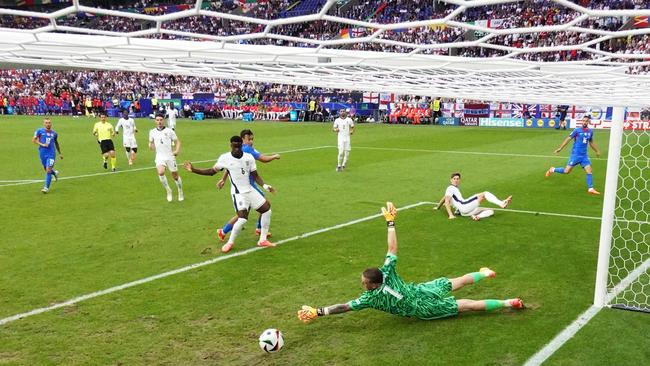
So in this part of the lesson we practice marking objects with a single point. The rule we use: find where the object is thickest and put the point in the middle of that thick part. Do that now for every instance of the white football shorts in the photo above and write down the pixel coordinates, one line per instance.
(344, 144)
(468, 207)
(248, 201)
(170, 163)
(129, 142)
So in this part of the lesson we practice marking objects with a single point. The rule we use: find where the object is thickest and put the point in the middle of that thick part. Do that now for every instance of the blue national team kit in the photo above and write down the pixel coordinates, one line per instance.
(256, 154)
(47, 154)
(581, 139)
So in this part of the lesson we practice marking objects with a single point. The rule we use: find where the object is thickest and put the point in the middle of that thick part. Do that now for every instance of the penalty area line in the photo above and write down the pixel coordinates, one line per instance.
(190, 267)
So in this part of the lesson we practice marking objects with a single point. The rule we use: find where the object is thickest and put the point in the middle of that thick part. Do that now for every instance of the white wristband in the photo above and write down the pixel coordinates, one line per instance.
(266, 187)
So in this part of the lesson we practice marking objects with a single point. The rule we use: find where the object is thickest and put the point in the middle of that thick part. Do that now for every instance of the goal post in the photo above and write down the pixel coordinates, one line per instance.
(609, 202)
(622, 276)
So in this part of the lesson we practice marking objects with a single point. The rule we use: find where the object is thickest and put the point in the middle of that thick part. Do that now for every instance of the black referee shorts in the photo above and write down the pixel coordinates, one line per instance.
(106, 146)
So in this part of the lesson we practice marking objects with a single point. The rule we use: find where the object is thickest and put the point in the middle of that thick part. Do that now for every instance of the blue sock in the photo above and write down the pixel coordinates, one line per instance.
(227, 228)
(559, 170)
(259, 222)
(590, 181)
(48, 179)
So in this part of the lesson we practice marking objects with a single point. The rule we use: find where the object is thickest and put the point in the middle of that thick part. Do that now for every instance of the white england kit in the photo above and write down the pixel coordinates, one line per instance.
(171, 121)
(467, 207)
(163, 141)
(128, 132)
(344, 125)
(244, 196)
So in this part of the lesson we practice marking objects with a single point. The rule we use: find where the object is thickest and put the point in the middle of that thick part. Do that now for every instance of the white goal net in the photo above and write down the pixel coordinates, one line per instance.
(629, 267)
(449, 51)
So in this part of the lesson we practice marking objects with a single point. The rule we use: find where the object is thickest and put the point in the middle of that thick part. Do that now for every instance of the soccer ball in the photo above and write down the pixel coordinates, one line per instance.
(271, 340)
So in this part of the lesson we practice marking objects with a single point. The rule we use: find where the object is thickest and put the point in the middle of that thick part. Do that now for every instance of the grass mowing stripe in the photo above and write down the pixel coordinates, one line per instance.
(188, 268)
(584, 318)
(32, 181)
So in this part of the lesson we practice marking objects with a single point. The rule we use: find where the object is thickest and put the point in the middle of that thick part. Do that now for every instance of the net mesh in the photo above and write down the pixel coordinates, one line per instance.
(567, 54)
(629, 267)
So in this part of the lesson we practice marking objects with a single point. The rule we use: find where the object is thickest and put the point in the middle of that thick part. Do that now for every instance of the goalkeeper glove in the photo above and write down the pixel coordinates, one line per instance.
(307, 313)
(389, 213)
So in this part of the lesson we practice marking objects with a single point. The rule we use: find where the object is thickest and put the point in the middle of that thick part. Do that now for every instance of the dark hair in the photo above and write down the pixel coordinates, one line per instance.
(103, 114)
(236, 139)
(160, 115)
(586, 116)
(245, 132)
(374, 275)
(455, 175)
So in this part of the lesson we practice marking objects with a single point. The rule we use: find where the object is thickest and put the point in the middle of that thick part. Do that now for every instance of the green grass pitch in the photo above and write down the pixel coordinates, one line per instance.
(96, 230)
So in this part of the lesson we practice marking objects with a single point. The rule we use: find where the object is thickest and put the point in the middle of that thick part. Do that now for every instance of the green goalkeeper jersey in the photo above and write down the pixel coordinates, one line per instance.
(426, 301)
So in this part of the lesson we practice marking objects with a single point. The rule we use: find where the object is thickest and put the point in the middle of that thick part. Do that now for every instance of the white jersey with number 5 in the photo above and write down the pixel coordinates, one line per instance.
(163, 141)
(344, 125)
(239, 171)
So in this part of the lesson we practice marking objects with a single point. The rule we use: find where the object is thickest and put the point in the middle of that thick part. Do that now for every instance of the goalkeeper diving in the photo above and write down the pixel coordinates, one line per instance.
(386, 291)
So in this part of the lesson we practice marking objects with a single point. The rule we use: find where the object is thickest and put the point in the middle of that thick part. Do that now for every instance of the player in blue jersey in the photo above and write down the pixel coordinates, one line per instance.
(582, 137)
(47, 140)
(247, 147)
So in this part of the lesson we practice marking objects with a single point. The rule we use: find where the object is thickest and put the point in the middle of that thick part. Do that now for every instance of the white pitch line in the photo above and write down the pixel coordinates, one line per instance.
(20, 180)
(569, 215)
(187, 268)
(32, 181)
(467, 152)
(565, 335)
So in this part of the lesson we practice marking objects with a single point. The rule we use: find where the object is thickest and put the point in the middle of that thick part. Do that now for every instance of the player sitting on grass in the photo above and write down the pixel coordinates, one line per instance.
(386, 291)
(470, 206)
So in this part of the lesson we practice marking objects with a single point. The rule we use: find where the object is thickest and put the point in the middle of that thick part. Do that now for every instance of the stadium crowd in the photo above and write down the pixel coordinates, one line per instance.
(78, 92)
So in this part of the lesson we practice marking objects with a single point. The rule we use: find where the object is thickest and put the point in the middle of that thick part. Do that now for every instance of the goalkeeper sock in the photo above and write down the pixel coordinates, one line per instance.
(590, 181)
(179, 184)
(113, 162)
(345, 157)
(236, 229)
(491, 305)
(477, 276)
(265, 219)
(493, 199)
(227, 227)
(559, 170)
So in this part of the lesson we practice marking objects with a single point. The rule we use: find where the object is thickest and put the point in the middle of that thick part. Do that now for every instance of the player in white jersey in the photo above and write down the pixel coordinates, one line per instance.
(167, 147)
(469, 206)
(344, 127)
(128, 136)
(171, 114)
(241, 167)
